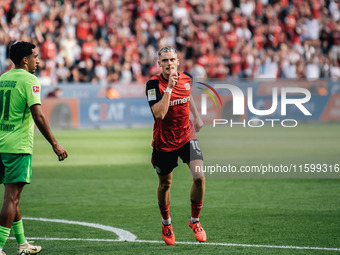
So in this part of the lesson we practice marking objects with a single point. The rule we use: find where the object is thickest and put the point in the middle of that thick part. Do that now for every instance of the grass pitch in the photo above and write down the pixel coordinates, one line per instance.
(108, 179)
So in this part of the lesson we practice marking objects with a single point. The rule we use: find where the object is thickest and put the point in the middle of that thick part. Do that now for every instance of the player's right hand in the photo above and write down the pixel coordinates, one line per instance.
(173, 78)
(60, 151)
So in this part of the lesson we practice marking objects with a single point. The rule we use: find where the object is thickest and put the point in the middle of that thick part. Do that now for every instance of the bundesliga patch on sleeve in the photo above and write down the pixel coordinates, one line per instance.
(151, 94)
(35, 90)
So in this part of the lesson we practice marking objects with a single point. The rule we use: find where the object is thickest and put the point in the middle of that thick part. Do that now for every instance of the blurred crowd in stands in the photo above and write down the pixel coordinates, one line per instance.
(116, 41)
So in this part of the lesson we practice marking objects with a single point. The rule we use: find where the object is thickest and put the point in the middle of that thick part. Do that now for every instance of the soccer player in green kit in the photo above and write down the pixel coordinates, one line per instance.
(20, 108)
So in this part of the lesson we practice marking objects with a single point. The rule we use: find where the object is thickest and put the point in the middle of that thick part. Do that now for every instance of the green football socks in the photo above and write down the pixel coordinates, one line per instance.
(18, 230)
(4, 233)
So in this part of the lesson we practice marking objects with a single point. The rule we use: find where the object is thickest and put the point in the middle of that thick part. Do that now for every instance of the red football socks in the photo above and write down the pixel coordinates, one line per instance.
(196, 208)
(165, 211)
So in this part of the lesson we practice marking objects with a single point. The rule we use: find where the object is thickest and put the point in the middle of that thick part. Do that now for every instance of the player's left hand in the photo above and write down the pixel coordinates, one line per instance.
(60, 151)
(198, 123)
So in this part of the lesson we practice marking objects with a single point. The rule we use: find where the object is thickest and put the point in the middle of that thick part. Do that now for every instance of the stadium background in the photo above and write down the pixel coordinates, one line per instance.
(93, 50)
(100, 54)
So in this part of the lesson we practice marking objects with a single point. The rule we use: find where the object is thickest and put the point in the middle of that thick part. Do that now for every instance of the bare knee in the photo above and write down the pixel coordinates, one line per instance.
(164, 186)
(164, 183)
(199, 182)
(11, 199)
(12, 193)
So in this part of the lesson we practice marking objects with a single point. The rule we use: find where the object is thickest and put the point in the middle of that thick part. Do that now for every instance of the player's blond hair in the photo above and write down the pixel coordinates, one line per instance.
(166, 49)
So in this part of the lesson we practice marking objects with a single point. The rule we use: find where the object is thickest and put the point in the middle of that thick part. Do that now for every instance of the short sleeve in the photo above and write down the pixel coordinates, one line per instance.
(191, 79)
(33, 90)
(152, 91)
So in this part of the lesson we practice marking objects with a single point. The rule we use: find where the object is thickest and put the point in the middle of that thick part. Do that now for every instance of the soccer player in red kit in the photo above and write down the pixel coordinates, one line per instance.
(169, 96)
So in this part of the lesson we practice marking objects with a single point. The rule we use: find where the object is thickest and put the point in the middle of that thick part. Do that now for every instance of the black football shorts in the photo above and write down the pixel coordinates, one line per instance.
(165, 162)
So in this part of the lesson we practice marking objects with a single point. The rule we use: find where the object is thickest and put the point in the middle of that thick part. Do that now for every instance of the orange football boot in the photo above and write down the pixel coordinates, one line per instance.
(200, 234)
(168, 234)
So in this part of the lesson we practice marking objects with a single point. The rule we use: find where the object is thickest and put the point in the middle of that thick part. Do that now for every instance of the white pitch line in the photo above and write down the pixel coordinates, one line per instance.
(124, 235)
(191, 243)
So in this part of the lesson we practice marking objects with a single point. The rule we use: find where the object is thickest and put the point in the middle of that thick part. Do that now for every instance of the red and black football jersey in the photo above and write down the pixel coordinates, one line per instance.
(173, 131)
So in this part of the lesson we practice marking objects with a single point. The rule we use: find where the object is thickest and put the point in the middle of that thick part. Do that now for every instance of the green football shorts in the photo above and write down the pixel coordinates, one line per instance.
(15, 168)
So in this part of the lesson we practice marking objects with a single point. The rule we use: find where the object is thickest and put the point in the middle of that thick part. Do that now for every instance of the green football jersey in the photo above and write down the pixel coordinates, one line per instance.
(19, 90)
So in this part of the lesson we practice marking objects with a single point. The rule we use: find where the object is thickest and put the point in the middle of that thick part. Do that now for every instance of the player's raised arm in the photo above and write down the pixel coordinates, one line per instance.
(161, 108)
(197, 121)
(44, 127)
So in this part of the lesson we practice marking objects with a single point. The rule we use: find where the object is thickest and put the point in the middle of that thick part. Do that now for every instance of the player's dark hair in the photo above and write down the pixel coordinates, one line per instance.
(166, 49)
(19, 50)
